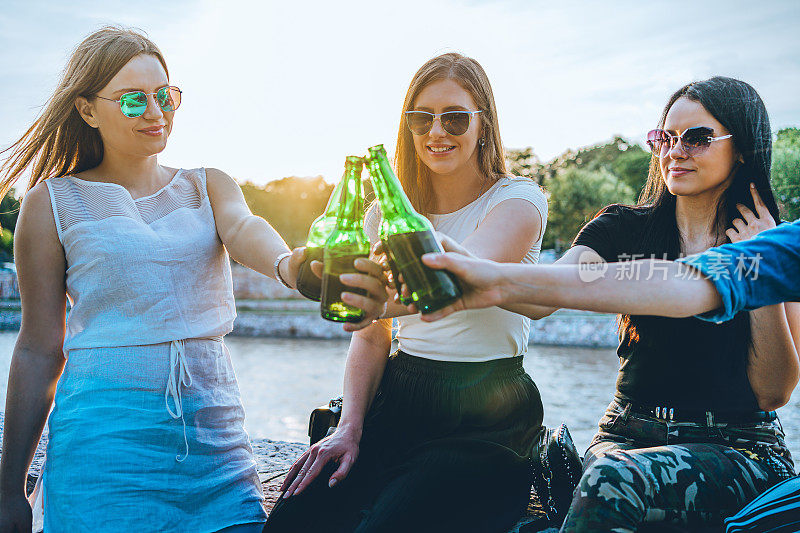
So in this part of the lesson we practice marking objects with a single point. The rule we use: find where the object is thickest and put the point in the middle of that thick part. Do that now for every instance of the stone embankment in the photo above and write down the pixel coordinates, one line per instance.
(265, 308)
(300, 319)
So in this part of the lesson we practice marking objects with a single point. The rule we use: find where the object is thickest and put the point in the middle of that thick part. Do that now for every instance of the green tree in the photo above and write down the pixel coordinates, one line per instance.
(786, 172)
(6, 245)
(289, 204)
(632, 166)
(9, 211)
(626, 160)
(576, 195)
(525, 163)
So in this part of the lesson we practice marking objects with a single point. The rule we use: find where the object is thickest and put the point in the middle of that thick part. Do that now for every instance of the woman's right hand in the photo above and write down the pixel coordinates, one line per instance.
(481, 280)
(292, 266)
(16, 515)
(373, 280)
(341, 446)
(447, 243)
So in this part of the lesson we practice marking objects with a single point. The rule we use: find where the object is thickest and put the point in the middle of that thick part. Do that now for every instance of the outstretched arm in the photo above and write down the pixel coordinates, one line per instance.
(249, 239)
(661, 288)
(252, 242)
(605, 289)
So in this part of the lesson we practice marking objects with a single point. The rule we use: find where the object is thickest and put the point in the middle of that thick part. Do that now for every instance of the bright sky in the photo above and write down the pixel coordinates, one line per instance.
(280, 88)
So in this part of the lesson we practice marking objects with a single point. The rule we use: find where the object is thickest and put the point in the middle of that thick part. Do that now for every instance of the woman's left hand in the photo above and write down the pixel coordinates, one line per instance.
(373, 280)
(751, 224)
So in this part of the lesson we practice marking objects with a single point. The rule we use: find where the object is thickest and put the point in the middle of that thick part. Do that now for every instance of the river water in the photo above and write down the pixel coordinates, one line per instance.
(282, 380)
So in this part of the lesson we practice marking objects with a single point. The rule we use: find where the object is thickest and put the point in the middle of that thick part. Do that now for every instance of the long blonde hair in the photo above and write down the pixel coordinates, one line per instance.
(59, 142)
(413, 174)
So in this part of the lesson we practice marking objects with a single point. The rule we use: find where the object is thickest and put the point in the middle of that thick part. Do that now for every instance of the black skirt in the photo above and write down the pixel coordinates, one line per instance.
(445, 447)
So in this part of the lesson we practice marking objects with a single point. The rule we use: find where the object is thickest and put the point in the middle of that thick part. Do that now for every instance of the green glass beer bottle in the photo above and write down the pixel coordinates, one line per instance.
(347, 242)
(308, 284)
(407, 236)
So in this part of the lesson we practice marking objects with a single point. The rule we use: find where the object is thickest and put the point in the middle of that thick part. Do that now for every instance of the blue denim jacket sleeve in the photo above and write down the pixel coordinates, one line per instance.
(761, 271)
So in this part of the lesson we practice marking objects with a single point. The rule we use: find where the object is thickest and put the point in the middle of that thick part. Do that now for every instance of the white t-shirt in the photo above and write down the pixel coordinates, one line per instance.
(481, 334)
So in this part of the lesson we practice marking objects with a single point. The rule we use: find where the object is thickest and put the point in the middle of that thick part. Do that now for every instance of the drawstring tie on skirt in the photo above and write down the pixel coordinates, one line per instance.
(178, 376)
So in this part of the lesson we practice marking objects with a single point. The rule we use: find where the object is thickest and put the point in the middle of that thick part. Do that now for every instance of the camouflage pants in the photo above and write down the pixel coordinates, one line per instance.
(640, 469)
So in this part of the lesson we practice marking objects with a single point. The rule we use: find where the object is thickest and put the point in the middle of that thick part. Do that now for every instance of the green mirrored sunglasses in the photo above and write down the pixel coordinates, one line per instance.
(134, 104)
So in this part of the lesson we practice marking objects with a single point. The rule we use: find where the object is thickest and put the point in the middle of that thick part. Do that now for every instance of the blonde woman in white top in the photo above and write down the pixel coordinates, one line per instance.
(436, 437)
(146, 432)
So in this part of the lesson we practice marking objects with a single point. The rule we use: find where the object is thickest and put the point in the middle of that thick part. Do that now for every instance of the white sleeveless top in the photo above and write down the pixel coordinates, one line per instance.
(141, 271)
(480, 334)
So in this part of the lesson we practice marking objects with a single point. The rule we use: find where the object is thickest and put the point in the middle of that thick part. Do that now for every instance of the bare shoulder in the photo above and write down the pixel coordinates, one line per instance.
(41, 267)
(218, 179)
(220, 185)
(37, 197)
(217, 175)
(36, 218)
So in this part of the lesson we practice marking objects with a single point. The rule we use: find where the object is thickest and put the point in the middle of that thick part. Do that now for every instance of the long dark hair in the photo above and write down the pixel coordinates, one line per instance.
(738, 107)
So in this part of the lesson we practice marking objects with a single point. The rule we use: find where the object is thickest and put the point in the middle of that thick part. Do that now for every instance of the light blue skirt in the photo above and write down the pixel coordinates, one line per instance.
(119, 456)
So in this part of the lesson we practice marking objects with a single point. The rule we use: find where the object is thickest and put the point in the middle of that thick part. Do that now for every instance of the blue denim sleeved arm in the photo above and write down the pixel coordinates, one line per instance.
(761, 271)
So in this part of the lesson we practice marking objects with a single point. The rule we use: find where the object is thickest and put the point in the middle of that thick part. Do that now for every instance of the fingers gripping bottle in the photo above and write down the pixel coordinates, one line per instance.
(407, 236)
(347, 242)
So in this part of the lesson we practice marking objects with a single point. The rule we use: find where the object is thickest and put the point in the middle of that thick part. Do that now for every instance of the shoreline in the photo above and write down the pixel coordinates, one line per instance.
(295, 318)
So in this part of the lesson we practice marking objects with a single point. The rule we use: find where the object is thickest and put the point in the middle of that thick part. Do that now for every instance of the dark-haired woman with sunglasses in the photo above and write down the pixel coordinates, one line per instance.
(146, 433)
(435, 437)
(691, 434)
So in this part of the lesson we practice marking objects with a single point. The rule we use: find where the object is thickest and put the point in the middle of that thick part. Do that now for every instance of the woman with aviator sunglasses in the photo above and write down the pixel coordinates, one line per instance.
(691, 434)
(435, 437)
(134, 104)
(146, 432)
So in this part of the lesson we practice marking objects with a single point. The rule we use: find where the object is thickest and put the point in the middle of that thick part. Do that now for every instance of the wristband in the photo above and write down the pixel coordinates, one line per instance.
(278, 270)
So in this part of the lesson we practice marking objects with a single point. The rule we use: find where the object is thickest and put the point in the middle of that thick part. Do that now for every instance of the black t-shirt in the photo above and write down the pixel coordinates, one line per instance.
(673, 362)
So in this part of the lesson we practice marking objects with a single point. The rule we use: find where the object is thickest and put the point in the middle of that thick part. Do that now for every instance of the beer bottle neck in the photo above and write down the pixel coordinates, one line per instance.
(350, 208)
(397, 213)
(332, 209)
(323, 225)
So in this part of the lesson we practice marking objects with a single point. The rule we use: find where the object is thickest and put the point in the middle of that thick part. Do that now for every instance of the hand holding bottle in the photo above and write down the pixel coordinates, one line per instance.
(290, 269)
(403, 293)
(481, 280)
(406, 236)
(371, 279)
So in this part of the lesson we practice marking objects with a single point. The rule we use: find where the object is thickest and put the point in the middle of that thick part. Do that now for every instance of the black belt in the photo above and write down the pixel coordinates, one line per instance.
(698, 416)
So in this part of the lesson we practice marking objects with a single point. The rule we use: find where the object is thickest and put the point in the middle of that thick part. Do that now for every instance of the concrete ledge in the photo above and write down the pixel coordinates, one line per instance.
(273, 458)
(301, 319)
(293, 318)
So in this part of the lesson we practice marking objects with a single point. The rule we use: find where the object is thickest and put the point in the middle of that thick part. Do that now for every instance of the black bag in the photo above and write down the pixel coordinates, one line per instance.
(557, 469)
(324, 420)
